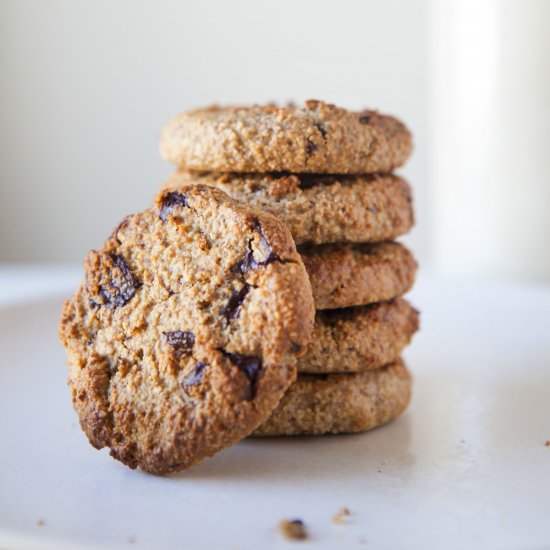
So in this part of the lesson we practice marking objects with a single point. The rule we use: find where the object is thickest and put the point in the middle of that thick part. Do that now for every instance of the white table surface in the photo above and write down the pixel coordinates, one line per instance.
(465, 467)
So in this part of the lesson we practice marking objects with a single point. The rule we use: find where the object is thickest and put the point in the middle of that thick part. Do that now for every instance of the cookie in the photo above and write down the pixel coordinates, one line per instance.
(321, 209)
(184, 334)
(359, 338)
(344, 275)
(340, 403)
(315, 138)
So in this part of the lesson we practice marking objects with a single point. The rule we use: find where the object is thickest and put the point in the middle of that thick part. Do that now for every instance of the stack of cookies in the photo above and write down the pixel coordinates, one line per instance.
(199, 322)
(327, 174)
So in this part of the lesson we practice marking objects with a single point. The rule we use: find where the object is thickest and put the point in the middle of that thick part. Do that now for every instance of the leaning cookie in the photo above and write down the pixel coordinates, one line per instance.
(319, 208)
(344, 275)
(340, 403)
(184, 334)
(359, 338)
(315, 138)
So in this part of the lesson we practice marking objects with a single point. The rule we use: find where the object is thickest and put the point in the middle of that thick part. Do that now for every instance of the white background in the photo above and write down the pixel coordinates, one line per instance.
(85, 88)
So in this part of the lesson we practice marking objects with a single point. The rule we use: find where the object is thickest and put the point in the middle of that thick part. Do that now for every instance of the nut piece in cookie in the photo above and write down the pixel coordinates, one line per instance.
(184, 334)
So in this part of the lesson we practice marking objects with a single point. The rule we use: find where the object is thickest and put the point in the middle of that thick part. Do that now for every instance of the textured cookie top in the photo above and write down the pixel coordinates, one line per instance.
(184, 334)
(315, 138)
(321, 208)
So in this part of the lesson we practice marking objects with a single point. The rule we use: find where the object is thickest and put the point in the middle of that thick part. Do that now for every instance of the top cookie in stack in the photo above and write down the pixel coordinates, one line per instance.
(327, 174)
(316, 139)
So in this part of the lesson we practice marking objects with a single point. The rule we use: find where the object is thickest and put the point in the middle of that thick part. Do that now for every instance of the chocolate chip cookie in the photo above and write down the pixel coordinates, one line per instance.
(184, 334)
(359, 338)
(340, 403)
(320, 208)
(344, 275)
(315, 138)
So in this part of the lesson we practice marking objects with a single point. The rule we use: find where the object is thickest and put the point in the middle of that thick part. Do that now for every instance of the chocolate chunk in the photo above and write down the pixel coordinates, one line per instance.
(181, 340)
(195, 376)
(310, 147)
(249, 263)
(250, 365)
(321, 127)
(231, 310)
(121, 286)
(364, 119)
(169, 202)
(296, 347)
(257, 226)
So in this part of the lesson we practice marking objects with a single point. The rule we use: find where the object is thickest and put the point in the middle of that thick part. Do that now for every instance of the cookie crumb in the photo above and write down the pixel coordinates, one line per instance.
(131, 539)
(294, 529)
(340, 517)
(547, 444)
(40, 523)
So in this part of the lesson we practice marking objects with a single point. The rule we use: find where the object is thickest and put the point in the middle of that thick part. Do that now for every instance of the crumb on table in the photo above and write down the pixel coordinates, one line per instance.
(294, 529)
(547, 443)
(340, 516)
(40, 523)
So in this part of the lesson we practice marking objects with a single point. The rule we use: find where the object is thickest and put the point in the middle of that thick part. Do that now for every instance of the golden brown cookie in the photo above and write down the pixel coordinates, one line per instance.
(315, 138)
(344, 275)
(184, 334)
(320, 208)
(359, 338)
(340, 403)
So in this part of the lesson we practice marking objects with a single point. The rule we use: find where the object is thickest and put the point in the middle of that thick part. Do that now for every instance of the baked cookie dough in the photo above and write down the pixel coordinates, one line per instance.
(359, 338)
(340, 403)
(344, 275)
(315, 138)
(319, 208)
(184, 335)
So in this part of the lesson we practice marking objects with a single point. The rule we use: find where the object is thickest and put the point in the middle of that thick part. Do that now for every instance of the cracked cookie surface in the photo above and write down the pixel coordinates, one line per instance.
(341, 403)
(184, 333)
(359, 338)
(315, 138)
(321, 208)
